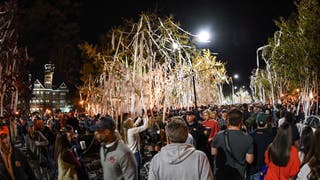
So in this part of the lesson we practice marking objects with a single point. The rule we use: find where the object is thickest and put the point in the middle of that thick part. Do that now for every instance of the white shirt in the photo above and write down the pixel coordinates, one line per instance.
(133, 134)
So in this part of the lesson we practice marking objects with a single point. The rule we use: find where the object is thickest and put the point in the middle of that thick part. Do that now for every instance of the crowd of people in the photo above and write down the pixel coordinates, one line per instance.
(209, 142)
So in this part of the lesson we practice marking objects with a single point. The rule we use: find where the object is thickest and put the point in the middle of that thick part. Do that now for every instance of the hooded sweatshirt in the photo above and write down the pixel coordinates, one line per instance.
(180, 161)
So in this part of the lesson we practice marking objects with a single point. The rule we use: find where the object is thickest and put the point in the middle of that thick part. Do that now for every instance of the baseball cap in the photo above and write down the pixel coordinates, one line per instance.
(104, 123)
(261, 118)
(190, 113)
(224, 111)
(4, 130)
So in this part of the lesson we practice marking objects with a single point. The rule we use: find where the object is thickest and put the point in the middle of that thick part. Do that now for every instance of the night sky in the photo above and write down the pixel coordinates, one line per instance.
(238, 27)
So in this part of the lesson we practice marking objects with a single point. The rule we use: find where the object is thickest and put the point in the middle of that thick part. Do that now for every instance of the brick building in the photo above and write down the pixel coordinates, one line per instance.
(45, 97)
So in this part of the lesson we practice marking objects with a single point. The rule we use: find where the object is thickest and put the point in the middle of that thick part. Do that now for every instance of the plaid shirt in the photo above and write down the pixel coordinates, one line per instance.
(222, 123)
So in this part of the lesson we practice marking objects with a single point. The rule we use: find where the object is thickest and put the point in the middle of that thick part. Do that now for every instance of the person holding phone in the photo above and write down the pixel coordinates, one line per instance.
(133, 129)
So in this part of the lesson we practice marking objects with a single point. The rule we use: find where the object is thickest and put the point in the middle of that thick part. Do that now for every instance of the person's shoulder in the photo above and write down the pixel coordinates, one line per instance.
(219, 136)
(159, 157)
(244, 135)
(123, 149)
(199, 153)
(215, 121)
(122, 145)
(220, 133)
(293, 149)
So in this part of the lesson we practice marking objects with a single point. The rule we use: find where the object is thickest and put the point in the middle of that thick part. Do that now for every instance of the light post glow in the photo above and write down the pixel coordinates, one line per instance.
(48, 111)
(232, 93)
(235, 76)
(204, 36)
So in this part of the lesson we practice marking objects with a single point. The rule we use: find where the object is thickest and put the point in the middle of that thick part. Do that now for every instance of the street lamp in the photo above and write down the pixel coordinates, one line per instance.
(194, 90)
(235, 76)
(202, 37)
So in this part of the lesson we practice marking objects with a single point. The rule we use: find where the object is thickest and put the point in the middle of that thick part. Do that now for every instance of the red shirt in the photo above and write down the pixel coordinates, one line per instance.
(70, 158)
(291, 170)
(213, 125)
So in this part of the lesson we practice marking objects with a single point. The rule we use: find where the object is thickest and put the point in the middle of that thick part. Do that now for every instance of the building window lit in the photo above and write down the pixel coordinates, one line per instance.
(45, 96)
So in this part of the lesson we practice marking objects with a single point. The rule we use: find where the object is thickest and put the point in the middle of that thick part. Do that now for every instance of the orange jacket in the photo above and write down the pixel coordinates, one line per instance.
(283, 173)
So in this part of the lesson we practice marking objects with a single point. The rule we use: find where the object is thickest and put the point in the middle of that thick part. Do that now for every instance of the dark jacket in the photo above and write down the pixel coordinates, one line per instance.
(197, 132)
(20, 165)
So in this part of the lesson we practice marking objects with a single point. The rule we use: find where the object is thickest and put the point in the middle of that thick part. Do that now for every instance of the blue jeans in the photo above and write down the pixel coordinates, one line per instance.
(138, 161)
(254, 176)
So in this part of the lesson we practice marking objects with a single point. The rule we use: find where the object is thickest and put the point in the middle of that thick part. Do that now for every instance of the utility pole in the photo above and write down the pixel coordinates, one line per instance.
(194, 91)
(232, 95)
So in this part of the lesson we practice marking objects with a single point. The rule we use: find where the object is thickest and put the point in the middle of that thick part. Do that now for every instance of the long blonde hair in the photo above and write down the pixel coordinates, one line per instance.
(127, 124)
